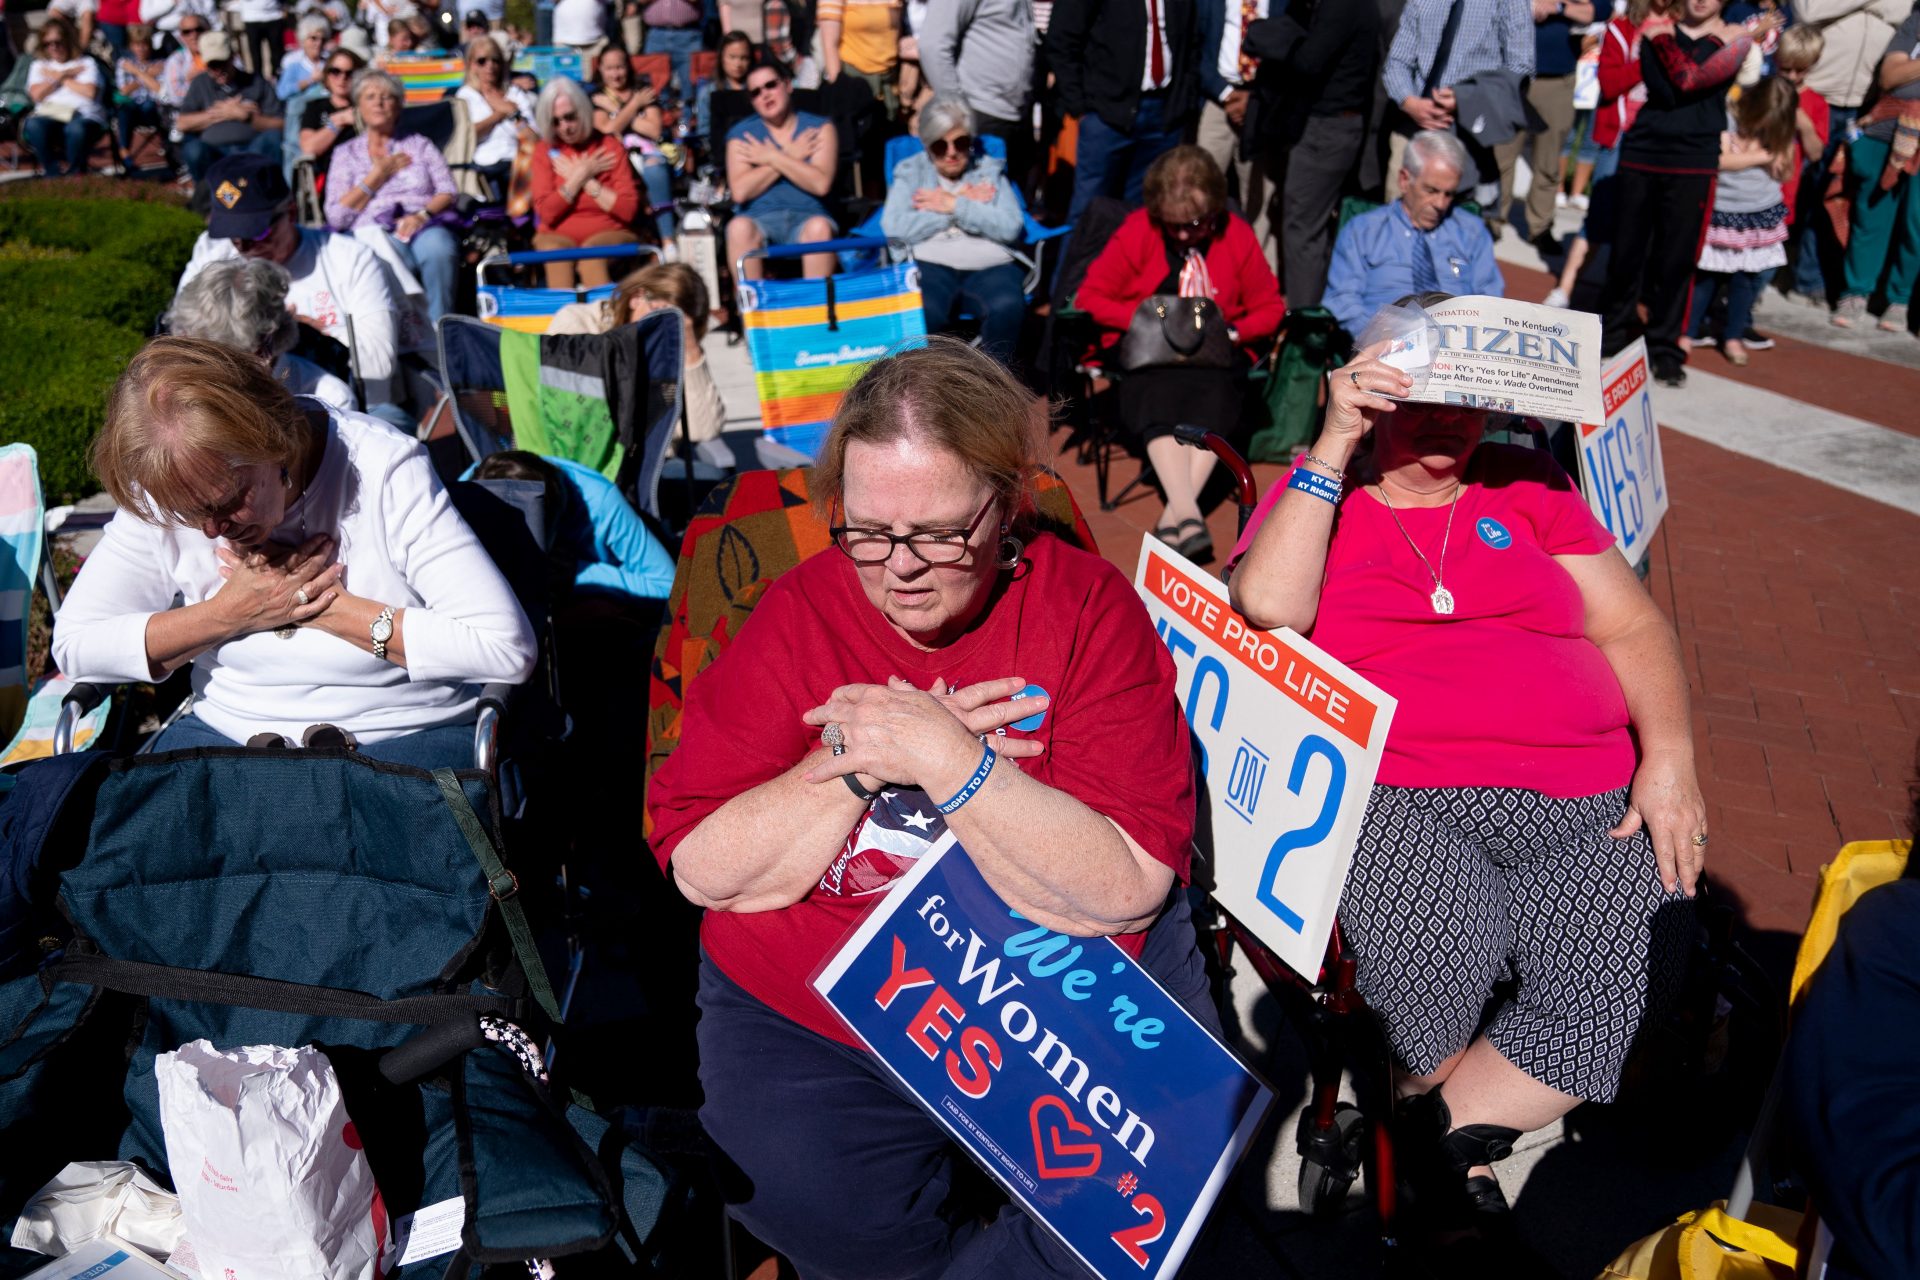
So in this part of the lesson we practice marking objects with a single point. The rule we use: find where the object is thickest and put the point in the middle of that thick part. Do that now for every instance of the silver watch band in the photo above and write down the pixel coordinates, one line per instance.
(376, 628)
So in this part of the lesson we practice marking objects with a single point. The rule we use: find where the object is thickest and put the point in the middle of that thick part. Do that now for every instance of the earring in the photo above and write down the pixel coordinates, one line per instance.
(1011, 549)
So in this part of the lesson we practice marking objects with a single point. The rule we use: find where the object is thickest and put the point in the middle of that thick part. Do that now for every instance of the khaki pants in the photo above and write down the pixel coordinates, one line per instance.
(1552, 97)
(1259, 194)
(593, 272)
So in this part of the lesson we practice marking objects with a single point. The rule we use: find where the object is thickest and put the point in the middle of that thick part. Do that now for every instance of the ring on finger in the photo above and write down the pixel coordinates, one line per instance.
(301, 596)
(1355, 375)
(1700, 840)
(835, 737)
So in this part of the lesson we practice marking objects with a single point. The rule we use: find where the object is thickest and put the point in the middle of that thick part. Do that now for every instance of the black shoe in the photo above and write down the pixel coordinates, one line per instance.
(1669, 373)
(1756, 340)
(1196, 546)
(1548, 244)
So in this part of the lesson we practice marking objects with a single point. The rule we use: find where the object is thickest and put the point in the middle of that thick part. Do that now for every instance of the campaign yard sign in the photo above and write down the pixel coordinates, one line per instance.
(1105, 1109)
(1290, 742)
(1620, 466)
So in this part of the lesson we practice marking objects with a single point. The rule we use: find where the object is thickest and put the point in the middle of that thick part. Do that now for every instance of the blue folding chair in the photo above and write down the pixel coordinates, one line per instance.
(1036, 235)
(531, 310)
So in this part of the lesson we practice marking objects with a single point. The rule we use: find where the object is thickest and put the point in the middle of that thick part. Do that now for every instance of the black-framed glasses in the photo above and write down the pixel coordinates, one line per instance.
(486, 62)
(339, 71)
(962, 145)
(765, 86)
(932, 546)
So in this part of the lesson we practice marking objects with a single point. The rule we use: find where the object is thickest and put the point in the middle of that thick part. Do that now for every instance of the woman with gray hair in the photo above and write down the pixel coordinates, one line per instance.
(242, 303)
(397, 182)
(301, 69)
(952, 202)
(584, 192)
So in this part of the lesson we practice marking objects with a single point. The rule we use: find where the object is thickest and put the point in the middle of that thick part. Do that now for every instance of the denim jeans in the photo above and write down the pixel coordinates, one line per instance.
(433, 255)
(680, 44)
(449, 746)
(993, 297)
(62, 146)
(199, 155)
(1813, 234)
(1111, 163)
(1741, 287)
(656, 178)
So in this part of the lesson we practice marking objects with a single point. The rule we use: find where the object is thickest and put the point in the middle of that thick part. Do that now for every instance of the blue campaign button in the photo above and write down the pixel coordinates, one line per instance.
(1493, 533)
(1038, 718)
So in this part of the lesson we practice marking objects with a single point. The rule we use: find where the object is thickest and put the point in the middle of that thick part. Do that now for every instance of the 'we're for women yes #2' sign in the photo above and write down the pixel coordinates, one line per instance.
(1102, 1106)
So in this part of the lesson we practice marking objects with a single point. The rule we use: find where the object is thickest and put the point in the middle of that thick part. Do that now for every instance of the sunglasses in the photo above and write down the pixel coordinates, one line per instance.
(193, 31)
(339, 71)
(765, 86)
(960, 146)
(485, 62)
(243, 242)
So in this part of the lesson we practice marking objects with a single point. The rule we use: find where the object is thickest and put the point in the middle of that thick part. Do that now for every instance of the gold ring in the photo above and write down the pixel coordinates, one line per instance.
(1700, 841)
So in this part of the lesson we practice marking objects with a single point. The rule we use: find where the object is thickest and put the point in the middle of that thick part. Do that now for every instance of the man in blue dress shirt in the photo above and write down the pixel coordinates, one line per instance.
(1417, 243)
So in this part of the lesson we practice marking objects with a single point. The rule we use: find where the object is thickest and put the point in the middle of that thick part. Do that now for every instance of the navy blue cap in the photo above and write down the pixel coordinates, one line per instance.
(247, 192)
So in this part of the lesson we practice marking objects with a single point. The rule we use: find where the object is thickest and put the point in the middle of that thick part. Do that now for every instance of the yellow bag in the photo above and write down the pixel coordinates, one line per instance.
(1696, 1248)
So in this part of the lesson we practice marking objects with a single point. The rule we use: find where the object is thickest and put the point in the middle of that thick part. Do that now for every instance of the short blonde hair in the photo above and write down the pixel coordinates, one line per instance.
(1185, 184)
(1800, 47)
(953, 397)
(184, 411)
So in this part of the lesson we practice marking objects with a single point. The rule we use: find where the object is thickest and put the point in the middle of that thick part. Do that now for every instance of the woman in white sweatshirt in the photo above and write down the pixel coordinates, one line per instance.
(325, 578)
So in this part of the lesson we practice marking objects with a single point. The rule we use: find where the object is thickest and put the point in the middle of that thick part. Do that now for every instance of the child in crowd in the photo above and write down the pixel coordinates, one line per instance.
(1747, 234)
(137, 77)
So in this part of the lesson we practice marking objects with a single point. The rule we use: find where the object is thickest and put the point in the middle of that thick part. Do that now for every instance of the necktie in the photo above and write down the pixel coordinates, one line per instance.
(1249, 65)
(1425, 278)
(1156, 56)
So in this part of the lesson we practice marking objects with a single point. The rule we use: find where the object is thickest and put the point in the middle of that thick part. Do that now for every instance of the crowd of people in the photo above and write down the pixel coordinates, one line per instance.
(1235, 162)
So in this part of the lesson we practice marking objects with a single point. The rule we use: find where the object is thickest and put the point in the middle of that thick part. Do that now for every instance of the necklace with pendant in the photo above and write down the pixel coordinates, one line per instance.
(1442, 599)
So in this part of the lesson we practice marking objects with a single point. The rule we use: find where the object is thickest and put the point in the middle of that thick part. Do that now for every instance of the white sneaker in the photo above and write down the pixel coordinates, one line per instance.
(1559, 199)
(1580, 201)
(1558, 298)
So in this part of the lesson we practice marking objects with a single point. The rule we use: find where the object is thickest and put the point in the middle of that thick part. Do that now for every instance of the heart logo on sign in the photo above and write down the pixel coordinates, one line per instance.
(1051, 1146)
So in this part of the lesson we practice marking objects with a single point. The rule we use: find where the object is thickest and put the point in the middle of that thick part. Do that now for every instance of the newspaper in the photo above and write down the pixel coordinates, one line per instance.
(1501, 355)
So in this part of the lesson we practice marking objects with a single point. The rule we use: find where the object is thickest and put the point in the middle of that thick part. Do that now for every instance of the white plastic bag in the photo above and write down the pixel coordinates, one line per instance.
(272, 1181)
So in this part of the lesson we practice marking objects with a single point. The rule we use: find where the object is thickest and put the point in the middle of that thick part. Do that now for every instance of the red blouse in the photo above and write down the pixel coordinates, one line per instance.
(582, 218)
(1134, 263)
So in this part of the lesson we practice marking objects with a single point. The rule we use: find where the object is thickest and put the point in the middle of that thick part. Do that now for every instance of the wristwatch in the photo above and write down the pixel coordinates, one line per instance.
(381, 629)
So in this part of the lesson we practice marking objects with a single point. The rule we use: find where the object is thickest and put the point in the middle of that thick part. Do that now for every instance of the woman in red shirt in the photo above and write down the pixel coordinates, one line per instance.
(1536, 812)
(851, 724)
(584, 192)
(1184, 242)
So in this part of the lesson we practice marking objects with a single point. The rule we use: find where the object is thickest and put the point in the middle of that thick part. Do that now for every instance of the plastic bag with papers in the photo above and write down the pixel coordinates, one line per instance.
(272, 1182)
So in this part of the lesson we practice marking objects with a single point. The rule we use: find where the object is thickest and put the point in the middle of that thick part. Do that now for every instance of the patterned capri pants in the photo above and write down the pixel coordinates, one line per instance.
(1454, 890)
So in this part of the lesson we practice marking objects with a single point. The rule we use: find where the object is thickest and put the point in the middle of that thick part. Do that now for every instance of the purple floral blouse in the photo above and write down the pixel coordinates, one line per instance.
(406, 192)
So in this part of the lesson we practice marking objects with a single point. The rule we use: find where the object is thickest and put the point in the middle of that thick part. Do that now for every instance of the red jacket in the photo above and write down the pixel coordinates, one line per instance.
(1619, 77)
(583, 218)
(1129, 271)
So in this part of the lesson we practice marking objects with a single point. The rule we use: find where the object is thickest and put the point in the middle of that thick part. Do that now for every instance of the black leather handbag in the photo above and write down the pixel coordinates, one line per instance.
(1172, 332)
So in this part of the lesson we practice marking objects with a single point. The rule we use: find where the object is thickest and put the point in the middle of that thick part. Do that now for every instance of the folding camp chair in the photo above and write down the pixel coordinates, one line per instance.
(530, 309)
(31, 710)
(812, 339)
(610, 400)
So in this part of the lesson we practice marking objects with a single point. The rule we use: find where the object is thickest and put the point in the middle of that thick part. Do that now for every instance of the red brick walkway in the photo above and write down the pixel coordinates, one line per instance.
(1798, 607)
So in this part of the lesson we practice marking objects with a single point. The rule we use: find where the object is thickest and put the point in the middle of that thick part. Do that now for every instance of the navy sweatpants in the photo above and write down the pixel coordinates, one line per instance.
(849, 1177)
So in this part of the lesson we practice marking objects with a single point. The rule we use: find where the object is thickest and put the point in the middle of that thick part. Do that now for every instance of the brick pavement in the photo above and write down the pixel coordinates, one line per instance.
(1796, 604)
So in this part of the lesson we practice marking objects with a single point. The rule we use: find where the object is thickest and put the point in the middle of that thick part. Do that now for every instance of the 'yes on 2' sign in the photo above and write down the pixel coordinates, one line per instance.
(1620, 466)
(1290, 741)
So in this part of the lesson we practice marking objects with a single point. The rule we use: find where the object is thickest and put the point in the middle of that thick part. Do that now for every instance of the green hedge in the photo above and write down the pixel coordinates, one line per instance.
(85, 268)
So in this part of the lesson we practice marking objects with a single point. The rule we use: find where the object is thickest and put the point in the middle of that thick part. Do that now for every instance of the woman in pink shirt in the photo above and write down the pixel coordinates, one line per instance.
(1536, 813)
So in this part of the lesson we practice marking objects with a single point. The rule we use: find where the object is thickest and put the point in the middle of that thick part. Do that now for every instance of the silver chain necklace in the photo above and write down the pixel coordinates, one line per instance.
(1442, 598)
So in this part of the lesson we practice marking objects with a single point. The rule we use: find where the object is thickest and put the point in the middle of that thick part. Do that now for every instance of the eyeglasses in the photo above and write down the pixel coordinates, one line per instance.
(244, 243)
(960, 146)
(559, 118)
(193, 31)
(339, 71)
(932, 546)
(486, 62)
(765, 86)
(1199, 226)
